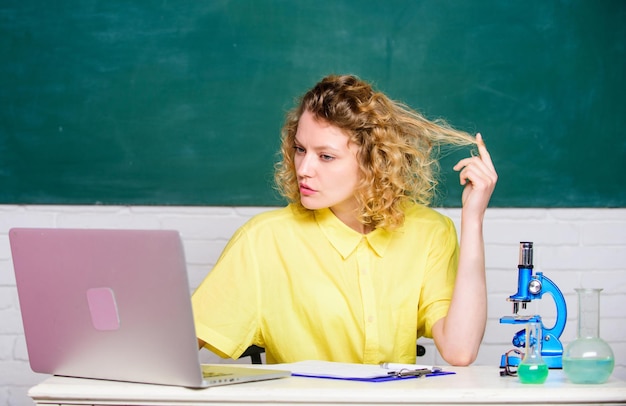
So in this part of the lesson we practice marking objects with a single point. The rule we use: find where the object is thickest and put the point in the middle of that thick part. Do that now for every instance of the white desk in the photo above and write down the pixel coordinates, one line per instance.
(471, 385)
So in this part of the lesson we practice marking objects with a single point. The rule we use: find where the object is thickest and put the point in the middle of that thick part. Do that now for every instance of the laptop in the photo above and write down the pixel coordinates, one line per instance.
(113, 305)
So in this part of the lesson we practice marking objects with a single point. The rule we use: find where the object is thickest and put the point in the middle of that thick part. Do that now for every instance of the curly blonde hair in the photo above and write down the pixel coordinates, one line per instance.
(398, 147)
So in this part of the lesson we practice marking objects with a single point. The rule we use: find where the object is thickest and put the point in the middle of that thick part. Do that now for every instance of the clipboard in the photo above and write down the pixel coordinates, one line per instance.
(360, 372)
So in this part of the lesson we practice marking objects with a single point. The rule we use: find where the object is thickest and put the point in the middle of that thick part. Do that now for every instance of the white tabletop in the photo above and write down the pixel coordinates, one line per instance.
(478, 385)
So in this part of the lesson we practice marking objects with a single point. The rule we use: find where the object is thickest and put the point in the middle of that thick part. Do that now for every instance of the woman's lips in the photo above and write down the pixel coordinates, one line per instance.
(305, 190)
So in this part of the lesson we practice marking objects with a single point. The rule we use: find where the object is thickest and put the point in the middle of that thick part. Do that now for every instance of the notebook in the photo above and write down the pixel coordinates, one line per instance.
(114, 305)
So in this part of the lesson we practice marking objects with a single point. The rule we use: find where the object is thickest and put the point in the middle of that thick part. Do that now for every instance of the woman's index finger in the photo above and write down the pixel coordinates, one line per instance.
(482, 150)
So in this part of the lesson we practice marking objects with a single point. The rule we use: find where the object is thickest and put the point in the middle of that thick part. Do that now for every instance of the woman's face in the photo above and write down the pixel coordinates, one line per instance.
(327, 167)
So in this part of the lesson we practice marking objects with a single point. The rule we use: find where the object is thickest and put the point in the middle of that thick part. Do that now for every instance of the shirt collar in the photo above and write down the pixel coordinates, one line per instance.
(345, 240)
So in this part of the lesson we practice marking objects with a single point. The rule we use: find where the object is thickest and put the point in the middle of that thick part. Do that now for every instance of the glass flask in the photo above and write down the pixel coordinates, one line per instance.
(588, 359)
(532, 368)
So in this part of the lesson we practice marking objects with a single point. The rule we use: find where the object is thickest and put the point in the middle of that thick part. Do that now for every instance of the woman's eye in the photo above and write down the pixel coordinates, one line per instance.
(299, 150)
(325, 157)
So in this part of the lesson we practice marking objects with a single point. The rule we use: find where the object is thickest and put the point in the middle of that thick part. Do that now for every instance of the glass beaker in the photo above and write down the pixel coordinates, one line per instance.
(588, 359)
(532, 368)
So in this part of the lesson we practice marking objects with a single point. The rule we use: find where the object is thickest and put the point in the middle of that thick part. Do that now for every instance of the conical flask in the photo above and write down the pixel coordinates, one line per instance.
(532, 368)
(588, 359)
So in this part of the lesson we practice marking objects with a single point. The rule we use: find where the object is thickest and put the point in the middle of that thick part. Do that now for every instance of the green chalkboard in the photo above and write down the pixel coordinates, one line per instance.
(181, 102)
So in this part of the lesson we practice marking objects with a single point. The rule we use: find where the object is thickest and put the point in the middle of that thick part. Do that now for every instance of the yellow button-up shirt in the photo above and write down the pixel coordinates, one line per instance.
(305, 286)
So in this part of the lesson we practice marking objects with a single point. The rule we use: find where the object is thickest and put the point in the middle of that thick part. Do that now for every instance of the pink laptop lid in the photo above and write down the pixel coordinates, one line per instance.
(108, 304)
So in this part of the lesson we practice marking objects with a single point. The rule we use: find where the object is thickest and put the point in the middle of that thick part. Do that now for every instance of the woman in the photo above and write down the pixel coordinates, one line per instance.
(356, 267)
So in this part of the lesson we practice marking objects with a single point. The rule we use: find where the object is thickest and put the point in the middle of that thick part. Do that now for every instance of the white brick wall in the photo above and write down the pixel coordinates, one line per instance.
(573, 247)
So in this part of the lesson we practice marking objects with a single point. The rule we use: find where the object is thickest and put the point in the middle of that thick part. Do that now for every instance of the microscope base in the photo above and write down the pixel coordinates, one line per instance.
(553, 361)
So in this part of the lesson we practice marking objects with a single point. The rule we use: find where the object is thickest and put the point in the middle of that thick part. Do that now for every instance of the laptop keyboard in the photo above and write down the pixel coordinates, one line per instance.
(209, 374)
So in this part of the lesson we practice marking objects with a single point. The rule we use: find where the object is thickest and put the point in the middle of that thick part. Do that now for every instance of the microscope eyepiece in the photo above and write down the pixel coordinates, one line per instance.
(525, 254)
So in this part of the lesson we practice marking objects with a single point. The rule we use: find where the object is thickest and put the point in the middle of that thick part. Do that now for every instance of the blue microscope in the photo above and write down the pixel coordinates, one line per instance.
(531, 287)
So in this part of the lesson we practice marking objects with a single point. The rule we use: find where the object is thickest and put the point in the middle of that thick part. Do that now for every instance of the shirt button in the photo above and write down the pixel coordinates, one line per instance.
(370, 319)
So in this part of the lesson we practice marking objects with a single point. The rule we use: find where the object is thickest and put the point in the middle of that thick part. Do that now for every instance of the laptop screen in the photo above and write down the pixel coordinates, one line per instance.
(109, 304)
